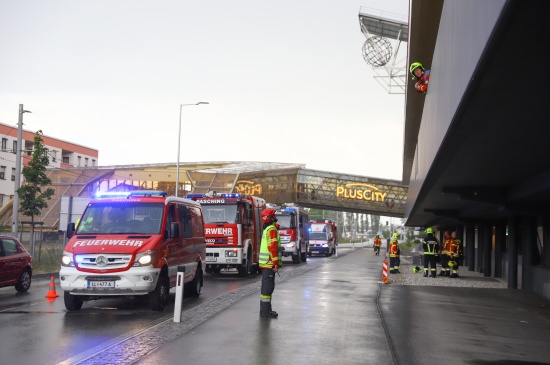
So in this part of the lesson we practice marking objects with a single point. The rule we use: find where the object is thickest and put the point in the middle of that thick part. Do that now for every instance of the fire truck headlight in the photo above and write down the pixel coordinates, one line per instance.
(232, 253)
(325, 244)
(67, 259)
(144, 258)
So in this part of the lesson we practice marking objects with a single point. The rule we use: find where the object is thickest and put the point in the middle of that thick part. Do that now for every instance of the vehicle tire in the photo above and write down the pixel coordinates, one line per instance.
(159, 297)
(72, 302)
(295, 259)
(196, 285)
(24, 282)
(244, 269)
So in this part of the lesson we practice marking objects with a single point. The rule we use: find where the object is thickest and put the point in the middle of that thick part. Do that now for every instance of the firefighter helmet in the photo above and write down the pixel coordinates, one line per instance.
(395, 235)
(413, 67)
(416, 269)
(268, 216)
(429, 230)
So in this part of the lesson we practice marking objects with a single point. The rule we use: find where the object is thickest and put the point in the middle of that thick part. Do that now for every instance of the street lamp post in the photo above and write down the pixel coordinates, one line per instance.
(179, 142)
(17, 183)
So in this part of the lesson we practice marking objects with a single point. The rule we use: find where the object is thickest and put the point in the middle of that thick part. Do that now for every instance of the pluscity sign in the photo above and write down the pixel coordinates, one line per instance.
(360, 191)
(248, 187)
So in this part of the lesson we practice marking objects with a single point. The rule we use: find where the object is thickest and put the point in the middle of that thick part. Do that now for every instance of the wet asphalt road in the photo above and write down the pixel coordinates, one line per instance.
(34, 330)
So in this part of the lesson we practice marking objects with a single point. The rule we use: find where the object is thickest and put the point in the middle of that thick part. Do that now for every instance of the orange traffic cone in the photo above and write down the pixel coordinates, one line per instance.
(52, 294)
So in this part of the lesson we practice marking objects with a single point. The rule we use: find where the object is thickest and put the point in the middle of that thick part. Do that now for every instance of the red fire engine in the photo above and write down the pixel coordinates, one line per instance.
(233, 231)
(293, 229)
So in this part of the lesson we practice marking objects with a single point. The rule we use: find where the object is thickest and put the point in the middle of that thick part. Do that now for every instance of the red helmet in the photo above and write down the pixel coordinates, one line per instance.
(268, 215)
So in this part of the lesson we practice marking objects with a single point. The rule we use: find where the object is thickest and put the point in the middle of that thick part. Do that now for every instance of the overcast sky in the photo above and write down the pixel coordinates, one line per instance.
(285, 80)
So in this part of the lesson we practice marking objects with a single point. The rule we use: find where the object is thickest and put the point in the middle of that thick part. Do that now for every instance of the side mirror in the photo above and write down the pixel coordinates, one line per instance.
(70, 230)
(174, 230)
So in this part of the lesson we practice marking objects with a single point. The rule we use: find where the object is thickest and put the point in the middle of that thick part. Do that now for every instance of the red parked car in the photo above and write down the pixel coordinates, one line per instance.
(15, 264)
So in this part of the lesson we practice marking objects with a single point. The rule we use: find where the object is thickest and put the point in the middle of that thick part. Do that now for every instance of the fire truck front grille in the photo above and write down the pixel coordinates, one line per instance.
(103, 261)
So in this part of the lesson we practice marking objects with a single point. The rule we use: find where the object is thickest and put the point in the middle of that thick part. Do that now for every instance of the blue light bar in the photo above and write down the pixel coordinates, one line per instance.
(128, 194)
(290, 210)
(194, 196)
(234, 195)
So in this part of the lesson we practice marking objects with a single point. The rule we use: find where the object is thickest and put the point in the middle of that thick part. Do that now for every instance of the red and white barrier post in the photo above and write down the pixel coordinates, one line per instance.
(385, 272)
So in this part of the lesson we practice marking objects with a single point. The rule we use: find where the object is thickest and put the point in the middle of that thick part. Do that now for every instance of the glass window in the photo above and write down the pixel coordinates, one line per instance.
(220, 213)
(184, 215)
(113, 218)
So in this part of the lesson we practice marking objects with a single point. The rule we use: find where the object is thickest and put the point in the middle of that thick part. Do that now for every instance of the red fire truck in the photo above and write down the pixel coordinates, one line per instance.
(293, 229)
(132, 244)
(233, 231)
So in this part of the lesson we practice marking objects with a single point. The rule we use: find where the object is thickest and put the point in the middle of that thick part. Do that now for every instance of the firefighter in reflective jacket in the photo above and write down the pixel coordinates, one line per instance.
(377, 244)
(431, 248)
(394, 254)
(270, 261)
(454, 254)
(445, 247)
(421, 76)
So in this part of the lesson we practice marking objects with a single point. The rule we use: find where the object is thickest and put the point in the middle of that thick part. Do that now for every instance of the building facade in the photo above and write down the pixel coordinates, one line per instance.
(62, 154)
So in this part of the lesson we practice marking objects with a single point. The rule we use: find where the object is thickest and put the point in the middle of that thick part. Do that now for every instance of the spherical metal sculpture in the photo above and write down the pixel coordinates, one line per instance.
(377, 51)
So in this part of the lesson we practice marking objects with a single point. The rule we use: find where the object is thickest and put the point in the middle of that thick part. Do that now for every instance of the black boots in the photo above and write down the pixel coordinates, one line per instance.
(271, 314)
(441, 273)
(266, 312)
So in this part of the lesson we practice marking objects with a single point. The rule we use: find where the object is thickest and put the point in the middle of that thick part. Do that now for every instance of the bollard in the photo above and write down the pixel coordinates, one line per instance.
(336, 250)
(179, 293)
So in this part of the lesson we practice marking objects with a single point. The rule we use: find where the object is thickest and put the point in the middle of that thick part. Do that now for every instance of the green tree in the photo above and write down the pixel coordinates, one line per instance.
(32, 196)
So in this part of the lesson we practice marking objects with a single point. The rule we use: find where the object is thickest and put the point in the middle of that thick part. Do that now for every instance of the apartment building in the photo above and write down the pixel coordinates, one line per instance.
(62, 154)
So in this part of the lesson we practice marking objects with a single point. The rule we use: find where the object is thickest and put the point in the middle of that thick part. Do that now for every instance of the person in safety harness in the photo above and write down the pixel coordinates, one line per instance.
(270, 261)
(377, 244)
(431, 248)
(394, 254)
(421, 76)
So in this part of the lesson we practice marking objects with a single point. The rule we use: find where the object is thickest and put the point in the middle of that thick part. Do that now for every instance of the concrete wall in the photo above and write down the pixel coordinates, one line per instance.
(464, 30)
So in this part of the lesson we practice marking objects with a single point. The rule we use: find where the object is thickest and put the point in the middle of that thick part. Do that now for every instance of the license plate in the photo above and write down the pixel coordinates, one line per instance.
(101, 284)
(314, 251)
(211, 259)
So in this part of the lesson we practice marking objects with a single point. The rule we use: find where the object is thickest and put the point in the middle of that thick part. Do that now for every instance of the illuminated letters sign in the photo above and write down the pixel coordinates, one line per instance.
(360, 191)
(248, 187)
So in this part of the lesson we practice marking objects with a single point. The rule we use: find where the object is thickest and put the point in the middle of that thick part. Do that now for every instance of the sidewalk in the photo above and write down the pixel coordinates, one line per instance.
(331, 315)
(326, 316)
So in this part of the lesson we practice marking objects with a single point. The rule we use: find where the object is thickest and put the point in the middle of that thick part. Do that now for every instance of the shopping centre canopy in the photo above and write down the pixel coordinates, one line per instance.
(277, 183)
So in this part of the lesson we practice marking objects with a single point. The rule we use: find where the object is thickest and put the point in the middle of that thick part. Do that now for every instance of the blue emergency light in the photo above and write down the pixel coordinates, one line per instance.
(194, 196)
(128, 194)
(234, 195)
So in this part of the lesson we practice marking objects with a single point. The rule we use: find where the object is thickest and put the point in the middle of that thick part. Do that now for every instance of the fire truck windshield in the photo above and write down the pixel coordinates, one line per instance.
(113, 218)
(220, 213)
(318, 236)
(286, 221)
